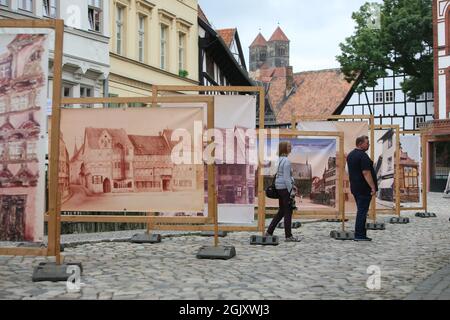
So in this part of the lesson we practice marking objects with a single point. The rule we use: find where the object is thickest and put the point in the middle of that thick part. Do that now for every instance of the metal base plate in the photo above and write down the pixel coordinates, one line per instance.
(378, 226)
(399, 221)
(426, 215)
(295, 225)
(264, 241)
(335, 220)
(221, 234)
(146, 238)
(216, 253)
(53, 272)
(342, 235)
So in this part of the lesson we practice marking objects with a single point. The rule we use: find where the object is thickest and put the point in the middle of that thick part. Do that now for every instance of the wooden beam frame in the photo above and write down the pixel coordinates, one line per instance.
(370, 118)
(231, 89)
(149, 219)
(288, 133)
(53, 248)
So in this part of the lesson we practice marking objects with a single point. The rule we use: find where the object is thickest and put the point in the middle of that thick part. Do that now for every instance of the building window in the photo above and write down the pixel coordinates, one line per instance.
(422, 97)
(2, 105)
(281, 51)
(119, 29)
(26, 5)
(141, 42)
(94, 14)
(390, 163)
(389, 96)
(16, 151)
(181, 51)
(4, 3)
(5, 71)
(49, 8)
(19, 103)
(418, 121)
(97, 179)
(163, 47)
(31, 150)
(67, 93)
(411, 177)
(86, 92)
(378, 97)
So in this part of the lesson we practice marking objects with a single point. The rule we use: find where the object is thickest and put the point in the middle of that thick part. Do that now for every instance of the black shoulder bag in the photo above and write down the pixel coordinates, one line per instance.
(271, 191)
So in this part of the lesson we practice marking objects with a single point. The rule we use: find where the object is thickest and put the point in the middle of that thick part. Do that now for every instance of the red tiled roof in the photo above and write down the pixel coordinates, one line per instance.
(278, 35)
(259, 41)
(315, 93)
(202, 15)
(227, 35)
(117, 135)
(150, 145)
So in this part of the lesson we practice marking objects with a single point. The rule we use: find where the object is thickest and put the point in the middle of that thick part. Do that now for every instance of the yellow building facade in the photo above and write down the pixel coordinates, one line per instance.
(152, 43)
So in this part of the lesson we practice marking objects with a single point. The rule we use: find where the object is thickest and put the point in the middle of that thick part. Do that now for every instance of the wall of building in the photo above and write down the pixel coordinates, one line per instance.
(442, 55)
(390, 105)
(132, 73)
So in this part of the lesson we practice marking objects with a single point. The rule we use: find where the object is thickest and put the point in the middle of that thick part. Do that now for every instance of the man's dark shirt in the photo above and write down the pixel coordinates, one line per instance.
(358, 161)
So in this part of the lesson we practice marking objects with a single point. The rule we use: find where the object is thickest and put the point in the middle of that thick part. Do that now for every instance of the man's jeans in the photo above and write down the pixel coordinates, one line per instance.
(363, 205)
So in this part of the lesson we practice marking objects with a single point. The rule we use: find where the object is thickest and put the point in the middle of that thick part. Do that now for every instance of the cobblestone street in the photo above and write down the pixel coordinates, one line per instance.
(317, 268)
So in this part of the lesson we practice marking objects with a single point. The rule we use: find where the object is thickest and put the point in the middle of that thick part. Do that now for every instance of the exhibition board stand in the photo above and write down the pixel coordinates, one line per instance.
(53, 248)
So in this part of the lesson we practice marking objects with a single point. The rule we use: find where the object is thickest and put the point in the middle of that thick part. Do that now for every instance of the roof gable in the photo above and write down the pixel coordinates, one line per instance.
(278, 35)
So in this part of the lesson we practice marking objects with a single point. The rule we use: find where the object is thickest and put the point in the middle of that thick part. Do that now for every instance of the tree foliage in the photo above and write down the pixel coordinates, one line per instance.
(402, 43)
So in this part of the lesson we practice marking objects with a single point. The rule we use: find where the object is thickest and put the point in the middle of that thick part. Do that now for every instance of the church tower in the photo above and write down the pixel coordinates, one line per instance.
(278, 50)
(258, 52)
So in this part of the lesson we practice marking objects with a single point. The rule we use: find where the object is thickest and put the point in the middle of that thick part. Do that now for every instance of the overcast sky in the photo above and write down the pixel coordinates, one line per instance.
(315, 28)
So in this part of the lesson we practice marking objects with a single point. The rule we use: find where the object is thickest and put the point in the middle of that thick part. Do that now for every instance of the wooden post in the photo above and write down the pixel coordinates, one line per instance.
(341, 179)
(212, 192)
(424, 171)
(261, 193)
(397, 172)
(373, 205)
(54, 225)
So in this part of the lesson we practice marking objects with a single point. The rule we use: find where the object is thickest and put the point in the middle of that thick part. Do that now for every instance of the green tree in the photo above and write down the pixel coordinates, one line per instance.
(401, 42)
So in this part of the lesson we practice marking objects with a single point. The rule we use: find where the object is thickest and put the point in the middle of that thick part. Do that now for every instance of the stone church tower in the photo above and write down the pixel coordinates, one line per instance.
(258, 52)
(271, 54)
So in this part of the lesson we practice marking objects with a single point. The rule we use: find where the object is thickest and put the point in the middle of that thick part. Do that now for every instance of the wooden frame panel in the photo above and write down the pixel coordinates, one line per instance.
(423, 171)
(53, 248)
(148, 218)
(371, 119)
(339, 180)
(396, 210)
(231, 89)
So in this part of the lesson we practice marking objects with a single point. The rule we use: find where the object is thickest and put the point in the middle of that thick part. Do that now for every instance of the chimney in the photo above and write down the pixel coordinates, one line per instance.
(289, 79)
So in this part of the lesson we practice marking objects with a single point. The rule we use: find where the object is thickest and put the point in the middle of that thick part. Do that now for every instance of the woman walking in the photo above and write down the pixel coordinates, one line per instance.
(284, 183)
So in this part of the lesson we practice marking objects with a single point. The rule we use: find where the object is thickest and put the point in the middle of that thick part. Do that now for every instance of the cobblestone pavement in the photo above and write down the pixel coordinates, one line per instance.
(317, 268)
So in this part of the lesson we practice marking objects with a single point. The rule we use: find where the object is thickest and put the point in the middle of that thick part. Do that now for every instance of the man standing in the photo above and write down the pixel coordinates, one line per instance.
(363, 184)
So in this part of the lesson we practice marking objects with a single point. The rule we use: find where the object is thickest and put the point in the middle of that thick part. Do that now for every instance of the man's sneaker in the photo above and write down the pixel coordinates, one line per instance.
(268, 234)
(293, 239)
(363, 239)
